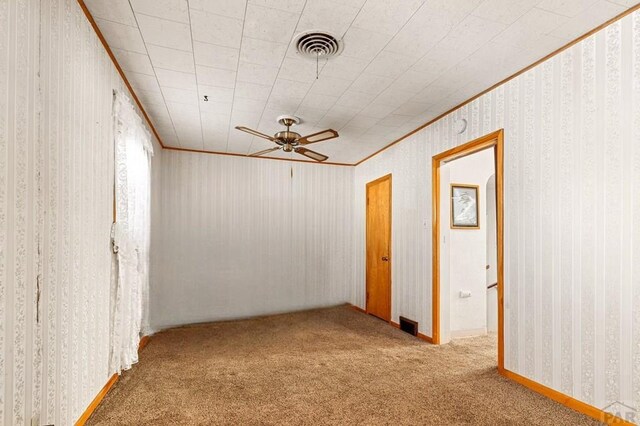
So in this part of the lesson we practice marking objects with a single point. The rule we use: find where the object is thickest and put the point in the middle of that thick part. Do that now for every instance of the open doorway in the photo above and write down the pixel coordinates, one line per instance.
(467, 205)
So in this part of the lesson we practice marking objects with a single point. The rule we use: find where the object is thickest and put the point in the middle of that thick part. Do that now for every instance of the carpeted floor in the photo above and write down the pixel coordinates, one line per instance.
(327, 366)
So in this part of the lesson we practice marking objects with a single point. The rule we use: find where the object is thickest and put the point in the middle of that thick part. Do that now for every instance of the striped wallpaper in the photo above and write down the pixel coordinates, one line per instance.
(572, 215)
(56, 195)
(240, 237)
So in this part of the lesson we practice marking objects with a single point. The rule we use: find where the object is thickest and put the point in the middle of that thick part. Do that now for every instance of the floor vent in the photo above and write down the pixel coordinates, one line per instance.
(409, 326)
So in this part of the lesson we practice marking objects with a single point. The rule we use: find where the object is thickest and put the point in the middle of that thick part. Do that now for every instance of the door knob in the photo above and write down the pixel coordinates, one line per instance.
(385, 258)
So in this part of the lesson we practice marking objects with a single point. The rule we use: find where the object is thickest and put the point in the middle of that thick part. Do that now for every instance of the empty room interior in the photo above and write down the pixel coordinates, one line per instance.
(265, 212)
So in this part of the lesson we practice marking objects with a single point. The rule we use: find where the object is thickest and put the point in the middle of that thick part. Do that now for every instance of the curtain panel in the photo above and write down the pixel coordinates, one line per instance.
(130, 234)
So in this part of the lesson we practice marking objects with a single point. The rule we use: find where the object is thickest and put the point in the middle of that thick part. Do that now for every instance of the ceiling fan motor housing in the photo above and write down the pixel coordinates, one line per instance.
(287, 137)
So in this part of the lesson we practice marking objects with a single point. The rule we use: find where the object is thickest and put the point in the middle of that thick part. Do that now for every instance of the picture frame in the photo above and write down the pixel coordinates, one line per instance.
(465, 206)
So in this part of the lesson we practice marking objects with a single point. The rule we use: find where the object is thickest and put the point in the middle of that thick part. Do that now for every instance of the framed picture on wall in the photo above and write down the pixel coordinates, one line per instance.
(464, 206)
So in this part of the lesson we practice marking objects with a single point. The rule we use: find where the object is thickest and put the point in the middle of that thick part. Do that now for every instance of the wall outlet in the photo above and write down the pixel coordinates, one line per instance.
(464, 294)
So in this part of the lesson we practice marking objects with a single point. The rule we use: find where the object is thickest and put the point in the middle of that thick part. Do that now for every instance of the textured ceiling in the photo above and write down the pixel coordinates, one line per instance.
(404, 63)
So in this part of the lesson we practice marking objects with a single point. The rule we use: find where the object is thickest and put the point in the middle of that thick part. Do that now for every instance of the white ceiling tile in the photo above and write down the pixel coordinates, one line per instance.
(310, 115)
(625, 3)
(569, 8)
(409, 81)
(389, 64)
(171, 59)
(217, 108)
(248, 105)
(252, 91)
(432, 94)
(183, 111)
(215, 77)
(216, 29)
(214, 56)
(159, 111)
(115, 11)
(587, 20)
(150, 98)
(245, 118)
(412, 108)
(431, 23)
(163, 32)
(437, 61)
(332, 122)
(353, 99)
(269, 24)
(344, 67)
(285, 5)
(176, 79)
(174, 10)
(257, 74)
(122, 36)
(133, 61)
(504, 11)
(363, 121)
(233, 9)
(262, 52)
(289, 89)
(329, 86)
(527, 30)
(369, 83)
(470, 34)
(378, 109)
(334, 17)
(181, 96)
(395, 120)
(215, 94)
(143, 81)
(351, 132)
(415, 59)
(386, 16)
(364, 44)
(285, 105)
(319, 100)
(298, 69)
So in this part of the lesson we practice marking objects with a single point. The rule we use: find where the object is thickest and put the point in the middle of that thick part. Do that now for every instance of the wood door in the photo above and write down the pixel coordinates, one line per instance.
(379, 248)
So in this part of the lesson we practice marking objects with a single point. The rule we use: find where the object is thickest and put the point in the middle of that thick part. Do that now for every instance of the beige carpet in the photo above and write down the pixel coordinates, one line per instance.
(328, 366)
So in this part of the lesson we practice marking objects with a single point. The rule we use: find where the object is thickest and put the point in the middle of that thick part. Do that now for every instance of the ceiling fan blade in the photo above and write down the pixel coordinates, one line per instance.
(254, 132)
(311, 154)
(318, 137)
(264, 151)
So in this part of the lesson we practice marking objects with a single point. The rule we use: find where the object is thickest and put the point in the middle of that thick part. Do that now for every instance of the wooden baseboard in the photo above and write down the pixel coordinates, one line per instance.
(419, 336)
(106, 388)
(97, 400)
(357, 308)
(143, 343)
(565, 400)
(394, 324)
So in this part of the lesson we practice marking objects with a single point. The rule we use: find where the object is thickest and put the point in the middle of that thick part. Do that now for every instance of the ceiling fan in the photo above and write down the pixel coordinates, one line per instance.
(291, 141)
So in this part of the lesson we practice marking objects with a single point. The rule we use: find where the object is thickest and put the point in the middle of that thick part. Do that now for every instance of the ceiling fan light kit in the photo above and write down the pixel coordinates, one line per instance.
(290, 141)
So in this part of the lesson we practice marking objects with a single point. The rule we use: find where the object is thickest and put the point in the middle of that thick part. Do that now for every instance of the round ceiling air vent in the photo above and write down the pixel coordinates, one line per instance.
(318, 44)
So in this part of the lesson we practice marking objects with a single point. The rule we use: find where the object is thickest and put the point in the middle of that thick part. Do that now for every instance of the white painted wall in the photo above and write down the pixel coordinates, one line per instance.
(572, 233)
(56, 198)
(243, 236)
(467, 249)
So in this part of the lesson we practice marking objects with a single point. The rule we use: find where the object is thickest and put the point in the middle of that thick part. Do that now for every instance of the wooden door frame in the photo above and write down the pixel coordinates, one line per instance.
(366, 221)
(495, 140)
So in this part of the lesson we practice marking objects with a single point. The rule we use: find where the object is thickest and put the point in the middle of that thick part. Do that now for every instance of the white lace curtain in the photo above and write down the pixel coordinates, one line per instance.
(130, 234)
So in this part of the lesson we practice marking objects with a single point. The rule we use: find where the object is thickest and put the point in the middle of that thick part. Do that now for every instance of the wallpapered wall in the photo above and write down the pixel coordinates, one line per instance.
(56, 195)
(242, 237)
(572, 216)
